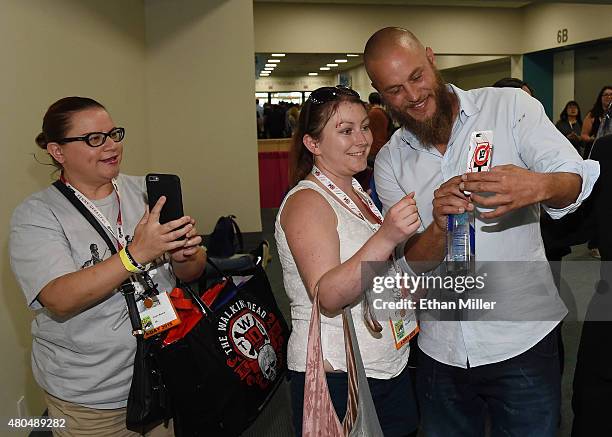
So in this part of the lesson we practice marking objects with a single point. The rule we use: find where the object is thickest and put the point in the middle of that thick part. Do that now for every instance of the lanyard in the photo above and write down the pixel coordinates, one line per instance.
(369, 316)
(118, 233)
(346, 200)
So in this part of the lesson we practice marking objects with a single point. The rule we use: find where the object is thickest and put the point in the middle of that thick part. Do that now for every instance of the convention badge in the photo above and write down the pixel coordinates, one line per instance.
(157, 314)
(480, 153)
(404, 329)
(403, 321)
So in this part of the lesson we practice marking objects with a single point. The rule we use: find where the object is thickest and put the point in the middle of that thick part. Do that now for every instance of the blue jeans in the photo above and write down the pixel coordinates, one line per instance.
(522, 395)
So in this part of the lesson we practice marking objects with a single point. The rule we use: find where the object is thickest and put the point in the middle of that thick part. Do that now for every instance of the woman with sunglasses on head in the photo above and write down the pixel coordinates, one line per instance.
(325, 228)
(83, 348)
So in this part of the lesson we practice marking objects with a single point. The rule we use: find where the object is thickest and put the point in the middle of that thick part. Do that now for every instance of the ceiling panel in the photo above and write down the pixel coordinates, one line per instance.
(300, 64)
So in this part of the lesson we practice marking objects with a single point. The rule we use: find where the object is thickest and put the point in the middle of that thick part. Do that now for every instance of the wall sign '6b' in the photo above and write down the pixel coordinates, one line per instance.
(562, 36)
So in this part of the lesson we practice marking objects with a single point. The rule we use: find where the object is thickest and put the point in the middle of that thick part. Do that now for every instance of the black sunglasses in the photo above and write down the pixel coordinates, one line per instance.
(96, 139)
(327, 94)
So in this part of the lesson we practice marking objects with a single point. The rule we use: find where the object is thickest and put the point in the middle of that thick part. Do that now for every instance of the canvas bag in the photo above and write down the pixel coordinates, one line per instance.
(221, 374)
(320, 418)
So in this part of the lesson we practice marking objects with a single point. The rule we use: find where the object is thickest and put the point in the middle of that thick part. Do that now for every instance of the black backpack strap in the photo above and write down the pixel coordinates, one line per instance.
(238, 234)
(127, 288)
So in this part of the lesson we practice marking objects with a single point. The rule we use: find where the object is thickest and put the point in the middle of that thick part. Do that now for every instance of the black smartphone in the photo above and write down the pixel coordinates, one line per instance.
(168, 185)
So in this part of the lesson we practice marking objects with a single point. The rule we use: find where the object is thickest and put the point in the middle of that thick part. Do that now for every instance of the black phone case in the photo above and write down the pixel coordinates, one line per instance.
(168, 185)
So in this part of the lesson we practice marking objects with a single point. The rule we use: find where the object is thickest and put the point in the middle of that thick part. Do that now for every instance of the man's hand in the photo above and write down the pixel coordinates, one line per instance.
(514, 187)
(449, 199)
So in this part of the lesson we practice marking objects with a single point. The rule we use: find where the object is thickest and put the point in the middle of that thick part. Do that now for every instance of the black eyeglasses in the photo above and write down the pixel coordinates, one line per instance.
(96, 139)
(329, 93)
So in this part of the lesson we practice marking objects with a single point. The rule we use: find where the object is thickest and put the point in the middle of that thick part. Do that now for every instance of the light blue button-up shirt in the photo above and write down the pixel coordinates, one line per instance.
(524, 136)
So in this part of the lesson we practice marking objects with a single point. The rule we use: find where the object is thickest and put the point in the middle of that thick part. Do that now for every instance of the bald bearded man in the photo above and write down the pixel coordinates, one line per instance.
(509, 366)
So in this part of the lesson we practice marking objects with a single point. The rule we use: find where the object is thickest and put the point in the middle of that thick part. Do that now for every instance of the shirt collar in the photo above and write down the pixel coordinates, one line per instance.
(467, 108)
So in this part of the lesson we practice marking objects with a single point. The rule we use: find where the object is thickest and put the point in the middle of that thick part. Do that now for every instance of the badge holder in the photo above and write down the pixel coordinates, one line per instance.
(403, 322)
(156, 312)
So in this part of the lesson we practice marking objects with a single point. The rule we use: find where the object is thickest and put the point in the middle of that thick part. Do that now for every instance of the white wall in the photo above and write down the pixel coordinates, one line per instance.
(516, 66)
(201, 105)
(593, 70)
(329, 28)
(584, 22)
(361, 82)
(478, 75)
(445, 62)
(333, 28)
(563, 81)
(51, 50)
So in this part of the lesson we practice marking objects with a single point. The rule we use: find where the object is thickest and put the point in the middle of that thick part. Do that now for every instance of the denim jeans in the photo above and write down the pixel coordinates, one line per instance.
(522, 395)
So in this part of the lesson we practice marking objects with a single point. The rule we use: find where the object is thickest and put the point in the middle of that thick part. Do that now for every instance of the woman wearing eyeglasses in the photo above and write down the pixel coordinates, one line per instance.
(326, 227)
(83, 349)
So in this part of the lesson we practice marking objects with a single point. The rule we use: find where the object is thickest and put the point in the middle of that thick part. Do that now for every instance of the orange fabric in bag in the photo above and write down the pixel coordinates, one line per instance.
(188, 312)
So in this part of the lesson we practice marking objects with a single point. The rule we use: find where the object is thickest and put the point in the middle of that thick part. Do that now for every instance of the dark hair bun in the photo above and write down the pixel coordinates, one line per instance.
(41, 141)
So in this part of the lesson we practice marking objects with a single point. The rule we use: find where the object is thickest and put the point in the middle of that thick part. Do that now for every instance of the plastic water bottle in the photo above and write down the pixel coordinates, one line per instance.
(460, 244)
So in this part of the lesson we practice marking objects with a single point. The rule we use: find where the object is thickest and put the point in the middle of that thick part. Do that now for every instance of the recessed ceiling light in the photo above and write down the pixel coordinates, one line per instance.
(324, 68)
(351, 55)
(278, 54)
(269, 69)
(264, 75)
(313, 74)
(271, 65)
(332, 65)
(273, 61)
(340, 61)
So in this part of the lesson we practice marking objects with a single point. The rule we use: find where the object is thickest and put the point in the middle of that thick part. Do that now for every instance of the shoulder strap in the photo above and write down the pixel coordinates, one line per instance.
(127, 288)
(69, 194)
(238, 234)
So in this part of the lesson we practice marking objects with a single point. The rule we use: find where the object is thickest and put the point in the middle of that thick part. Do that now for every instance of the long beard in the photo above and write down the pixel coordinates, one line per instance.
(437, 129)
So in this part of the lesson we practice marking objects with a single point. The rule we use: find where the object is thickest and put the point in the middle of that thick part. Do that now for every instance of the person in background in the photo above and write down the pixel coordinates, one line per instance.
(274, 121)
(83, 349)
(292, 117)
(325, 229)
(570, 124)
(590, 127)
(260, 119)
(594, 117)
(380, 125)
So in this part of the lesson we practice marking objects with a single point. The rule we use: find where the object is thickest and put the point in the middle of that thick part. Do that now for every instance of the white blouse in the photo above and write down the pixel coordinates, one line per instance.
(380, 357)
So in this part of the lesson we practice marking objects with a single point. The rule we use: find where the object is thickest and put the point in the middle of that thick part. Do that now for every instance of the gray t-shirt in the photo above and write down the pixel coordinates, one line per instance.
(87, 358)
